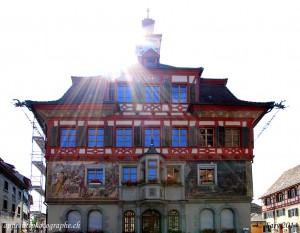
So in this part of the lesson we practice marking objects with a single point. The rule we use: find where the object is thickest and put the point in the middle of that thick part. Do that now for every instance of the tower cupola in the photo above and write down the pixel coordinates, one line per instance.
(148, 51)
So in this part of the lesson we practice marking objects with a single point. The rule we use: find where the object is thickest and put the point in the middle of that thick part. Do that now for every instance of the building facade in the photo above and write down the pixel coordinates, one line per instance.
(14, 199)
(156, 149)
(281, 203)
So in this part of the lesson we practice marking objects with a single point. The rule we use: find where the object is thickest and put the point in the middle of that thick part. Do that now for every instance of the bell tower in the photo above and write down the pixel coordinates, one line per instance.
(148, 51)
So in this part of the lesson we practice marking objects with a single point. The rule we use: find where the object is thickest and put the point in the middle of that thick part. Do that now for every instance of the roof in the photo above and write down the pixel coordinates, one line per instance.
(288, 179)
(214, 91)
(15, 176)
(256, 218)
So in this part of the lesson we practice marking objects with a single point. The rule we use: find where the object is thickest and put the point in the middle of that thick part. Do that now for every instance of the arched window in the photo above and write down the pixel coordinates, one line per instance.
(95, 220)
(227, 219)
(74, 219)
(207, 219)
(173, 220)
(129, 221)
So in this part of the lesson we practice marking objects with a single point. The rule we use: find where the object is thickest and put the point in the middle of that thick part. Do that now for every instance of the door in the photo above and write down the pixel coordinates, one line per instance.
(151, 222)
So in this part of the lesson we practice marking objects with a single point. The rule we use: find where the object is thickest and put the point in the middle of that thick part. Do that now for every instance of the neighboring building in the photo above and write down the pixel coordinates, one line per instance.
(257, 221)
(14, 198)
(281, 203)
(158, 148)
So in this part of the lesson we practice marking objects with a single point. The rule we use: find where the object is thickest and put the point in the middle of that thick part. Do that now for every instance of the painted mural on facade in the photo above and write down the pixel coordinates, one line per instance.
(67, 180)
(230, 180)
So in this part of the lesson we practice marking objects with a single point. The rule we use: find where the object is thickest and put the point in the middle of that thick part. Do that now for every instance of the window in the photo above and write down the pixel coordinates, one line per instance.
(124, 137)
(279, 197)
(14, 191)
(293, 212)
(124, 94)
(152, 134)
(5, 185)
(207, 174)
(95, 221)
(19, 194)
(95, 174)
(152, 169)
(5, 203)
(280, 212)
(206, 137)
(173, 173)
(179, 94)
(179, 137)
(267, 201)
(294, 228)
(173, 220)
(232, 137)
(95, 137)
(129, 222)
(68, 137)
(129, 174)
(292, 193)
(152, 94)
(74, 220)
(19, 211)
(268, 215)
(13, 208)
(150, 62)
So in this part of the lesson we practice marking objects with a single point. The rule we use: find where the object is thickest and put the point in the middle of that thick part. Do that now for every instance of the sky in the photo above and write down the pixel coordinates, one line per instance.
(255, 44)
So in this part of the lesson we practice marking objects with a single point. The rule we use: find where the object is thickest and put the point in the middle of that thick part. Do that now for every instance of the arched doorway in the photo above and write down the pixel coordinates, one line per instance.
(151, 222)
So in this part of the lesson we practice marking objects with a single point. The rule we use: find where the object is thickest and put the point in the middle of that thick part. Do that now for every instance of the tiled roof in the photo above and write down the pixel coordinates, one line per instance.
(256, 218)
(289, 178)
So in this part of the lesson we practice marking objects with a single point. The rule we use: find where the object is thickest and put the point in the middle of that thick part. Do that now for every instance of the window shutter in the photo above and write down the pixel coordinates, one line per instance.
(296, 192)
(166, 136)
(277, 213)
(108, 135)
(81, 136)
(53, 139)
(166, 93)
(245, 137)
(192, 92)
(283, 210)
(221, 136)
(297, 214)
(139, 92)
(289, 213)
(193, 136)
(277, 198)
(265, 215)
(137, 136)
(289, 194)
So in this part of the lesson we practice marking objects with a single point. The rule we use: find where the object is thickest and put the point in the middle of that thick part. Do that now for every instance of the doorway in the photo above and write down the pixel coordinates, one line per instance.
(151, 222)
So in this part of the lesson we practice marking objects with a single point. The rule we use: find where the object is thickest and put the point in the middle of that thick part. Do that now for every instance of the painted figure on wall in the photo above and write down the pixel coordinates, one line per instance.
(70, 181)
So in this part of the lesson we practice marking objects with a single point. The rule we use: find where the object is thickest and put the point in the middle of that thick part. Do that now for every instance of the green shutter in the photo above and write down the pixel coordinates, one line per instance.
(245, 137)
(221, 136)
(166, 93)
(193, 136)
(137, 131)
(81, 136)
(166, 136)
(108, 135)
(192, 92)
(139, 92)
(53, 137)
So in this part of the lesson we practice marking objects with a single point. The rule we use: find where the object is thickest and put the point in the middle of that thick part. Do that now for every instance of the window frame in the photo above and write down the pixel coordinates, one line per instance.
(70, 138)
(156, 137)
(178, 100)
(5, 204)
(152, 94)
(130, 173)
(207, 167)
(124, 136)
(94, 167)
(178, 136)
(130, 223)
(232, 135)
(173, 220)
(125, 95)
(204, 142)
(95, 137)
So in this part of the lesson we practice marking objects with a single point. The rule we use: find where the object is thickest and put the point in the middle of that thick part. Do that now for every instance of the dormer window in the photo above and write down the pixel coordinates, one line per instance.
(150, 62)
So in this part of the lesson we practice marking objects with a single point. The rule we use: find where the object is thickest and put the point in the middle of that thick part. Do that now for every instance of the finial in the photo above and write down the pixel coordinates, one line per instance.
(148, 13)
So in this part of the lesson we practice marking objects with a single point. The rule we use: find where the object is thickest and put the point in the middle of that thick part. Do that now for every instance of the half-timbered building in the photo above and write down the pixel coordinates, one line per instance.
(157, 149)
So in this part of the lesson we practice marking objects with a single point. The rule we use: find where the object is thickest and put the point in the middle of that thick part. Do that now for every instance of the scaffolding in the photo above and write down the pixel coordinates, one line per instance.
(38, 165)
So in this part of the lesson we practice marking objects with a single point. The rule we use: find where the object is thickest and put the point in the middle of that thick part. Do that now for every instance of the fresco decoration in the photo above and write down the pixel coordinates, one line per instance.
(231, 180)
(228, 114)
(67, 180)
